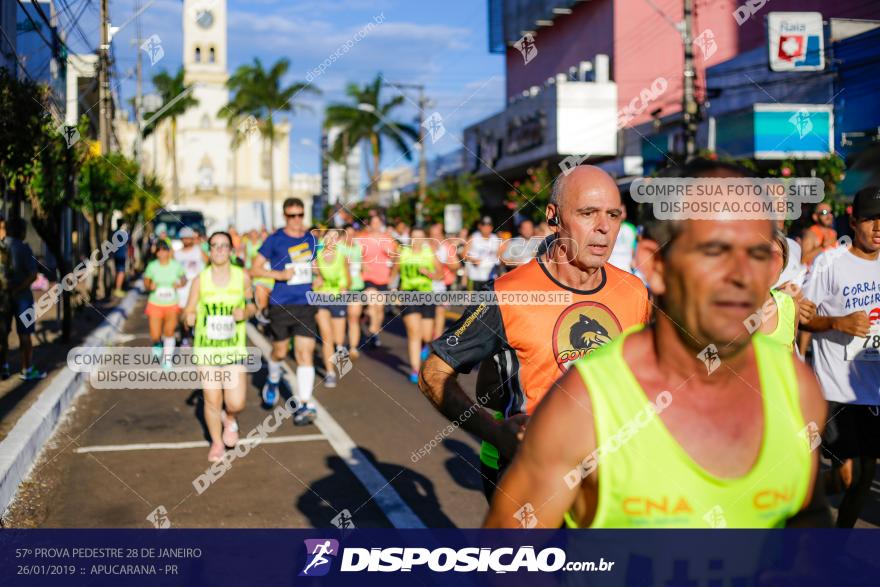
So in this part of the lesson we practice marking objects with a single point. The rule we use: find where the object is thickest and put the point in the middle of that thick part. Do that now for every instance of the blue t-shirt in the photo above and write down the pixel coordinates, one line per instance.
(282, 252)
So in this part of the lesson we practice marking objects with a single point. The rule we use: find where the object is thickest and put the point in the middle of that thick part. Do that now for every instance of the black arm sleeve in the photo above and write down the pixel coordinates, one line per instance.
(477, 335)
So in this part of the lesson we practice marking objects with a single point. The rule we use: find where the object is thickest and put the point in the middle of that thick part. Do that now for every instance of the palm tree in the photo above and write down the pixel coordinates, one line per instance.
(260, 94)
(177, 98)
(366, 118)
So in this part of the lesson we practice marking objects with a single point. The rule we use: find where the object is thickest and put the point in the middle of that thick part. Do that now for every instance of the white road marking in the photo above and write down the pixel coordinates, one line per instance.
(382, 493)
(197, 443)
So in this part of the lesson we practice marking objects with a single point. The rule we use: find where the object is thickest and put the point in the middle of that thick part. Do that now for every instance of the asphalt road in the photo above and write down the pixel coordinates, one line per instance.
(103, 467)
(120, 455)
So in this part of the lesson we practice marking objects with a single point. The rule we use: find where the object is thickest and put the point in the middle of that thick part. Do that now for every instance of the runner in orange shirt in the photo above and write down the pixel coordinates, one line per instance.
(534, 343)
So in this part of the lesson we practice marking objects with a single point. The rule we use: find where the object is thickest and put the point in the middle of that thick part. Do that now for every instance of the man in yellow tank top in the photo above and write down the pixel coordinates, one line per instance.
(689, 422)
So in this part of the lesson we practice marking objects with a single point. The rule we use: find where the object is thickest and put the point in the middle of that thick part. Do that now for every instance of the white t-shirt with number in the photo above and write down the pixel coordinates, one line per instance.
(848, 367)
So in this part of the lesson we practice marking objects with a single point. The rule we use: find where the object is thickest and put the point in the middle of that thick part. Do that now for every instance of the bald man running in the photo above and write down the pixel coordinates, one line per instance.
(660, 429)
(533, 344)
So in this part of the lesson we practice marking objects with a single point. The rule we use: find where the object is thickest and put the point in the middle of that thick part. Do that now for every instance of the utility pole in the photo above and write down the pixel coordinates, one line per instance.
(104, 79)
(423, 156)
(689, 107)
(138, 100)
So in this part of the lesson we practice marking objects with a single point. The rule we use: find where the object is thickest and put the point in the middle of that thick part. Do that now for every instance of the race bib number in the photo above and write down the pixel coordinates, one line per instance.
(166, 295)
(864, 348)
(302, 273)
(220, 327)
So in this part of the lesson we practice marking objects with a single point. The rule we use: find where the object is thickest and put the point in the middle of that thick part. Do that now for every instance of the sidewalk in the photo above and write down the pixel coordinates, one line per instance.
(50, 355)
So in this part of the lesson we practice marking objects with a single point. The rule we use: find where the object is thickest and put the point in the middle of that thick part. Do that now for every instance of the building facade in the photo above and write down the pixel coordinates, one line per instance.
(229, 185)
(553, 46)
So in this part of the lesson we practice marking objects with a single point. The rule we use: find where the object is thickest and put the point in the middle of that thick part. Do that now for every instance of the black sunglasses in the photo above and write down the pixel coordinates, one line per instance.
(300, 215)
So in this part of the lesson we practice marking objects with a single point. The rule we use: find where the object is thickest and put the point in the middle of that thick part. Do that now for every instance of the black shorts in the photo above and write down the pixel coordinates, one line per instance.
(119, 263)
(336, 310)
(289, 320)
(427, 311)
(852, 431)
(376, 286)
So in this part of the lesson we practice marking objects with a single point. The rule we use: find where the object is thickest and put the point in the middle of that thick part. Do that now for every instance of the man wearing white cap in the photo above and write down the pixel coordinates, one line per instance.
(193, 259)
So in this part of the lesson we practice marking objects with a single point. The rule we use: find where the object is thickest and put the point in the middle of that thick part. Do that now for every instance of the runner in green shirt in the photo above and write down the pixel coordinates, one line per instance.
(162, 277)
(220, 301)
(332, 277)
(354, 254)
(418, 266)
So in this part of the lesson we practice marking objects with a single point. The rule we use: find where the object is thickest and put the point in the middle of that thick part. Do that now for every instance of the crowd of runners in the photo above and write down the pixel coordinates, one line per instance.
(682, 374)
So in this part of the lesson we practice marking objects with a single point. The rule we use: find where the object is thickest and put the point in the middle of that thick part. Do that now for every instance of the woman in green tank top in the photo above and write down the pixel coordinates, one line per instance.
(418, 265)
(355, 255)
(778, 316)
(220, 301)
(331, 277)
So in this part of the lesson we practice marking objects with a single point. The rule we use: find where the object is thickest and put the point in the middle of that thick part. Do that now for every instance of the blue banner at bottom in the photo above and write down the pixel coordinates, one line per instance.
(644, 558)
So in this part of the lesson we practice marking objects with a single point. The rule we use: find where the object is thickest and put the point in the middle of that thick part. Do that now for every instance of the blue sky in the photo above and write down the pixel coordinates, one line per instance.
(441, 44)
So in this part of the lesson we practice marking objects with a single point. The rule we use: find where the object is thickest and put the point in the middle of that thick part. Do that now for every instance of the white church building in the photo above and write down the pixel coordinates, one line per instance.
(227, 185)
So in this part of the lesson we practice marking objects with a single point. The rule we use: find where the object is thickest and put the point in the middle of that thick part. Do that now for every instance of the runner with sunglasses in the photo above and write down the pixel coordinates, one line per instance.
(289, 252)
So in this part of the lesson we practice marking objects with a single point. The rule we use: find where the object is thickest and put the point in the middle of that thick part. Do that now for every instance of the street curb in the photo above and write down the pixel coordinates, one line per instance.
(22, 446)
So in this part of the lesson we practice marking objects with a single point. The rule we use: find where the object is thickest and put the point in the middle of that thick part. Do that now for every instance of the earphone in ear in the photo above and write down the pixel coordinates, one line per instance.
(553, 221)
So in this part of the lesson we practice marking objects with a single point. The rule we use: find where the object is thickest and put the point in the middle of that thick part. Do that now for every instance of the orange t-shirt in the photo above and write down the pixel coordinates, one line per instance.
(533, 345)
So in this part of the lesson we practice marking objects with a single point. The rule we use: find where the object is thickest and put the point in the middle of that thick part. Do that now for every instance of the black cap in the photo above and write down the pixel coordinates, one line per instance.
(866, 203)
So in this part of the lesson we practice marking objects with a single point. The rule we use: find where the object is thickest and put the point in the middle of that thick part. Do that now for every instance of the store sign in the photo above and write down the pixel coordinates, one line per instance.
(796, 41)
(801, 131)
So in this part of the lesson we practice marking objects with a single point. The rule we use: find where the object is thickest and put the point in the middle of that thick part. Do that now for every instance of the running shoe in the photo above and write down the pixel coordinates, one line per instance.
(230, 432)
(32, 374)
(166, 365)
(261, 316)
(330, 380)
(304, 415)
(157, 350)
(5, 373)
(414, 377)
(216, 453)
(354, 354)
(425, 352)
(270, 394)
(119, 293)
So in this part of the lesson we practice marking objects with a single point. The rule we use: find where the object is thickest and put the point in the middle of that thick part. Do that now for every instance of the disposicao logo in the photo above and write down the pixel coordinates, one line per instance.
(321, 552)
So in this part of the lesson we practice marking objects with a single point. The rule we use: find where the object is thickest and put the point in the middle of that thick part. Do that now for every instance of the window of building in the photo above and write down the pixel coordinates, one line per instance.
(198, 54)
(211, 55)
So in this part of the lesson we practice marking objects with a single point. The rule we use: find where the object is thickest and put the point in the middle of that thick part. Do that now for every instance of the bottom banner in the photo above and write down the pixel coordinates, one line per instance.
(677, 558)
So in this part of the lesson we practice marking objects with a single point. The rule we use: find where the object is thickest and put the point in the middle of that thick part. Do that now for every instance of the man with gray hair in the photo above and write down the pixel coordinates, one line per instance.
(533, 342)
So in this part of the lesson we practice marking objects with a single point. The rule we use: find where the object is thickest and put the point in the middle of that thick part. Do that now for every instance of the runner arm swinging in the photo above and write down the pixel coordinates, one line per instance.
(546, 475)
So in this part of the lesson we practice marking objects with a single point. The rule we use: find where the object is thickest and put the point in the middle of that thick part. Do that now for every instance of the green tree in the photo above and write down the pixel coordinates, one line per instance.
(261, 94)
(531, 195)
(106, 183)
(177, 98)
(404, 209)
(23, 122)
(51, 190)
(453, 189)
(366, 118)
